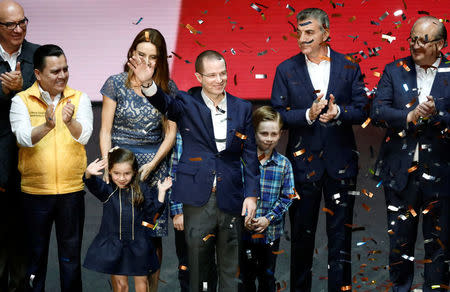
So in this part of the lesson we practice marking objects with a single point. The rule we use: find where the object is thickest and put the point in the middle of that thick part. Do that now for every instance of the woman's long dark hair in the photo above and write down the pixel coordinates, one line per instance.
(119, 155)
(161, 76)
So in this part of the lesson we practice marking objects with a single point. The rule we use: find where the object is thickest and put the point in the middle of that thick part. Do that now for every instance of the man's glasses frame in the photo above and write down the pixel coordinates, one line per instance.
(13, 24)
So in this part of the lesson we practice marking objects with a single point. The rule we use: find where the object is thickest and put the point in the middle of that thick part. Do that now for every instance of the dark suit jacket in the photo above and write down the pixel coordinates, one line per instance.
(8, 155)
(390, 110)
(329, 147)
(200, 160)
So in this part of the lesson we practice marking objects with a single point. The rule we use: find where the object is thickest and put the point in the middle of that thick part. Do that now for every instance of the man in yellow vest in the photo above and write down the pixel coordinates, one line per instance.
(52, 123)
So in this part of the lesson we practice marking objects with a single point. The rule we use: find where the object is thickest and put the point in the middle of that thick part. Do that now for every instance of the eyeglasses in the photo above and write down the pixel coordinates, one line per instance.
(212, 76)
(13, 24)
(420, 41)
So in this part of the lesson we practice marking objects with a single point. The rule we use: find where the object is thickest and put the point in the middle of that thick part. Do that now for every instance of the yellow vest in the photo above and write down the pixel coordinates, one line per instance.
(55, 165)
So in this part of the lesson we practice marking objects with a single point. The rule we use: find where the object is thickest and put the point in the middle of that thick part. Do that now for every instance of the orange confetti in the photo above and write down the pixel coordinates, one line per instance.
(438, 228)
(412, 211)
(365, 192)
(278, 251)
(406, 68)
(288, 108)
(155, 217)
(388, 139)
(191, 28)
(366, 123)
(208, 237)
(148, 225)
(325, 58)
(183, 268)
(377, 74)
(412, 168)
(328, 211)
(195, 159)
(257, 235)
(424, 261)
(351, 19)
(312, 173)
(310, 158)
(299, 152)
(261, 157)
(241, 136)
(390, 231)
(346, 288)
(366, 207)
(413, 101)
(198, 43)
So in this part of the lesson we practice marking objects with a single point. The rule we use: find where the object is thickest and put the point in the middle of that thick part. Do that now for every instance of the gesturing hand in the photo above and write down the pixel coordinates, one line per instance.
(95, 167)
(146, 169)
(317, 106)
(143, 71)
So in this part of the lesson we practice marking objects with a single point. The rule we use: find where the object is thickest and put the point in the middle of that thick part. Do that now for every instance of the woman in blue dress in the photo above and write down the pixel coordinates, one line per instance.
(122, 246)
(130, 121)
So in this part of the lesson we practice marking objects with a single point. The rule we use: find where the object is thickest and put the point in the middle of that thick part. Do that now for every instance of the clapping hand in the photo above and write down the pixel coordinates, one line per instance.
(331, 112)
(317, 106)
(12, 81)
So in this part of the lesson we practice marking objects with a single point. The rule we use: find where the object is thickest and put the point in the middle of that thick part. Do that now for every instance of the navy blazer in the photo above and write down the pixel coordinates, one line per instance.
(396, 96)
(312, 149)
(200, 160)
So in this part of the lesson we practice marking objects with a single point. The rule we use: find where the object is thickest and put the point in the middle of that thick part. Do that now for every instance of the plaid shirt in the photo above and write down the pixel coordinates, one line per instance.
(175, 207)
(277, 188)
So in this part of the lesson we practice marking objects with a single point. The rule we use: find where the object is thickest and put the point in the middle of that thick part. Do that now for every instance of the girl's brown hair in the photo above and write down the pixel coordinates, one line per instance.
(161, 75)
(119, 155)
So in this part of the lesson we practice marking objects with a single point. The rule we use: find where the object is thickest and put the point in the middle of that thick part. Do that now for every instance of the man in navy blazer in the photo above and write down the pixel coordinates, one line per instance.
(413, 103)
(215, 190)
(320, 95)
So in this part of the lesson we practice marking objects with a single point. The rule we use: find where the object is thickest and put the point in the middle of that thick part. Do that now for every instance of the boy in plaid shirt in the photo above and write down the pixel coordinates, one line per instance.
(262, 237)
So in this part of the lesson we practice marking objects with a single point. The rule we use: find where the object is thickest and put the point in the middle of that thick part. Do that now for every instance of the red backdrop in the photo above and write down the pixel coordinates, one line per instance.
(256, 42)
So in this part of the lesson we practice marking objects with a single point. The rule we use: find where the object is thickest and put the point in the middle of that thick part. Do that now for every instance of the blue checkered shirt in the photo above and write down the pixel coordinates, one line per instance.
(277, 189)
(175, 207)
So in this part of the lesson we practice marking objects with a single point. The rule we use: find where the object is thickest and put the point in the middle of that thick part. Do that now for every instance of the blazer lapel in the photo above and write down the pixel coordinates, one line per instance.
(334, 74)
(438, 80)
(205, 116)
(230, 120)
(410, 78)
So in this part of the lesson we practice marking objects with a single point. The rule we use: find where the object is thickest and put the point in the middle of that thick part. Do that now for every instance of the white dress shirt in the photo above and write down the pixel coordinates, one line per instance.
(11, 59)
(320, 77)
(425, 79)
(21, 123)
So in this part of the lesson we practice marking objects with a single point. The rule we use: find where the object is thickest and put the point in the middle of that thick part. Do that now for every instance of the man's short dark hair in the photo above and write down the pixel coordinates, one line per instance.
(208, 54)
(317, 14)
(45, 51)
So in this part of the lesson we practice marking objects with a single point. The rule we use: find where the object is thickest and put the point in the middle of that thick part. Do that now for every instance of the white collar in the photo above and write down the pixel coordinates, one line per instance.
(209, 103)
(432, 69)
(323, 60)
(6, 55)
(46, 96)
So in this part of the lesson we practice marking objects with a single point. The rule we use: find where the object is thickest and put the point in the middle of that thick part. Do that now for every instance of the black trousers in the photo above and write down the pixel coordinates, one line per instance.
(258, 261)
(212, 234)
(182, 255)
(418, 196)
(67, 212)
(304, 214)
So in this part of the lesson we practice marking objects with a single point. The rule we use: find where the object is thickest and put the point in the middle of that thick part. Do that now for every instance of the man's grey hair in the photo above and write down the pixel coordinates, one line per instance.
(317, 14)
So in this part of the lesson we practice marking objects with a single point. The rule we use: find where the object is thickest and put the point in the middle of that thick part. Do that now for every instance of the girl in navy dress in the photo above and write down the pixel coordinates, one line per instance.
(122, 246)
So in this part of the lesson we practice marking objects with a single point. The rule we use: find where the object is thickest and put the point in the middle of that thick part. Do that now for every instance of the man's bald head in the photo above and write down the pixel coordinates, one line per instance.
(11, 12)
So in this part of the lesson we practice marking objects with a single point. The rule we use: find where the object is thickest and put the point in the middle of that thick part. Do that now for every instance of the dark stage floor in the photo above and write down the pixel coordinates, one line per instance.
(368, 259)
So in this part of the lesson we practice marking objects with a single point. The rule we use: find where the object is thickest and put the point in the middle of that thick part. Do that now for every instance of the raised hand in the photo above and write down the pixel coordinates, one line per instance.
(317, 106)
(331, 112)
(142, 70)
(95, 167)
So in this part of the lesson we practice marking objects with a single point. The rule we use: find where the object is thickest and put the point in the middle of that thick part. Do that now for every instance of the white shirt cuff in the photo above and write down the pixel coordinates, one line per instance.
(150, 91)
(307, 118)
(338, 112)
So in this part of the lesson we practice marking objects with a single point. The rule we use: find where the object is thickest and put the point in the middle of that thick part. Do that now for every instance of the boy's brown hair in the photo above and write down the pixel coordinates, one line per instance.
(266, 113)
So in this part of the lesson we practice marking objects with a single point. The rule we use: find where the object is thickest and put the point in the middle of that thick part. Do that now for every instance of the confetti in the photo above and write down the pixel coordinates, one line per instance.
(389, 38)
(402, 133)
(208, 237)
(191, 29)
(254, 6)
(200, 21)
(261, 157)
(366, 207)
(241, 136)
(137, 22)
(262, 53)
(233, 51)
(182, 267)
(406, 68)
(377, 74)
(382, 17)
(325, 58)
(412, 211)
(257, 235)
(351, 19)
(278, 252)
(365, 192)
(305, 23)
(428, 177)
(366, 123)
(423, 12)
(176, 55)
(235, 79)
(328, 211)
(312, 173)
(346, 288)
(393, 208)
(148, 225)
(195, 159)
(290, 8)
(200, 44)
(260, 76)
(361, 243)
(412, 168)
(412, 102)
(398, 12)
